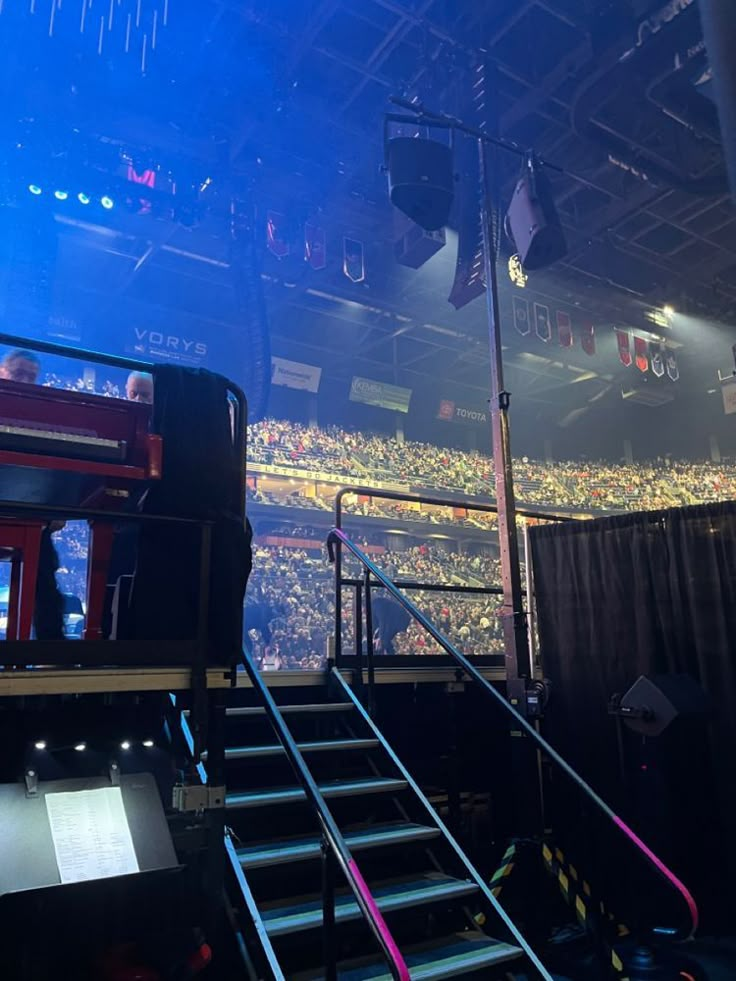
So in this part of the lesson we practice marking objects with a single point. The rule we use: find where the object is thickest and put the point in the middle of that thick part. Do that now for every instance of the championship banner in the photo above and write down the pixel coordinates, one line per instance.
(656, 360)
(386, 396)
(293, 374)
(672, 369)
(728, 390)
(315, 246)
(276, 239)
(587, 338)
(353, 262)
(521, 316)
(450, 411)
(564, 329)
(641, 348)
(541, 322)
(624, 347)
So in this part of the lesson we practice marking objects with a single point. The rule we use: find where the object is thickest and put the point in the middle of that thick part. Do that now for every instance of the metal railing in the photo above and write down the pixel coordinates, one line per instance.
(338, 537)
(335, 852)
(363, 587)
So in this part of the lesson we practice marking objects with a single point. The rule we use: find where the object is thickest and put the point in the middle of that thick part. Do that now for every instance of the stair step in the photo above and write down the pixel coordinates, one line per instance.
(319, 707)
(327, 745)
(300, 849)
(447, 957)
(340, 788)
(390, 896)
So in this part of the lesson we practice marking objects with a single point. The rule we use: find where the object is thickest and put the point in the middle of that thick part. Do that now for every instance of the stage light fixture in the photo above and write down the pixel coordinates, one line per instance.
(421, 180)
(148, 743)
(83, 198)
(532, 221)
(80, 747)
(107, 202)
(41, 744)
(35, 189)
(668, 311)
(61, 195)
(125, 744)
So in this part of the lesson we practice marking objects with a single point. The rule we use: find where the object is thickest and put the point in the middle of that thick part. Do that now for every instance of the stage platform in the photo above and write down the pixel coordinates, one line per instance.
(81, 681)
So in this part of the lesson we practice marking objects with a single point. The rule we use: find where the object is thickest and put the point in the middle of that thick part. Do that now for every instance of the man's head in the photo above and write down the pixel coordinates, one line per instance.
(20, 366)
(139, 387)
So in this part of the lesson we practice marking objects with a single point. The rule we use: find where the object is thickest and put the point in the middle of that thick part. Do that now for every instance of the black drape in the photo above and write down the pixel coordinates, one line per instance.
(650, 594)
(201, 480)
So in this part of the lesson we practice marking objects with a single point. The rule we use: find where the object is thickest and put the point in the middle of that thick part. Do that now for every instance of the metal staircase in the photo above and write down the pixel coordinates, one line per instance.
(296, 917)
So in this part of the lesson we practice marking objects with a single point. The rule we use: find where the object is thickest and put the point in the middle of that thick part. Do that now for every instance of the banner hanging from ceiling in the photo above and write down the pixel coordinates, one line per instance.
(294, 374)
(382, 394)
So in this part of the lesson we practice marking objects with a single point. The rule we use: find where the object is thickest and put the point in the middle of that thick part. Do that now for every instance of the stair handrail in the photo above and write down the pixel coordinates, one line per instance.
(332, 837)
(338, 536)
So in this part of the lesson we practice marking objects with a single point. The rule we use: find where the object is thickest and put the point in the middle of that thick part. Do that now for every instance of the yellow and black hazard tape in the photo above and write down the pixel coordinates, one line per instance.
(504, 870)
(577, 894)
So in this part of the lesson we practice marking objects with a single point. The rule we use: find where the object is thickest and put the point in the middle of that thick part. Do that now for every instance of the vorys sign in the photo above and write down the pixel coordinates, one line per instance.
(452, 412)
(168, 346)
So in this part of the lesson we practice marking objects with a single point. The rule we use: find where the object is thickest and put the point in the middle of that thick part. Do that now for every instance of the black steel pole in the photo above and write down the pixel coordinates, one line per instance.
(516, 644)
(719, 30)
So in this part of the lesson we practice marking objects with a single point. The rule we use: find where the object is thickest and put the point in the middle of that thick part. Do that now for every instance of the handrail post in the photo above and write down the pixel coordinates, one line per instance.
(369, 641)
(329, 941)
(358, 632)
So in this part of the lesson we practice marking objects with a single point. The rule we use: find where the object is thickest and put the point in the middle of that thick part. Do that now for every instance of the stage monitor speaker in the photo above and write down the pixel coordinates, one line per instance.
(417, 246)
(421, 180)
(653, 704)
(532, 222)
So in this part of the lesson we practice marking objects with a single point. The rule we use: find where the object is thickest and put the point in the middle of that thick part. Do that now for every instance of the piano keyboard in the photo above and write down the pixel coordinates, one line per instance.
(20, 439)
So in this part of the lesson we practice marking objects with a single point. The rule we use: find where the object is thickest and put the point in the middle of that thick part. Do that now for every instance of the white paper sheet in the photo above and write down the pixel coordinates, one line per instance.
(91, 834)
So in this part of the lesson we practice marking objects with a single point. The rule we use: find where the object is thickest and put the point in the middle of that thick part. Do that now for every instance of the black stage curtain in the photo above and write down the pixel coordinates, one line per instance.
(647, 594)
(201, 480)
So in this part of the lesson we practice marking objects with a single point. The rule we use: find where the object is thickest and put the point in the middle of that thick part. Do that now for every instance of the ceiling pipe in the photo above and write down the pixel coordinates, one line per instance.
(617, 64)
(719, 28)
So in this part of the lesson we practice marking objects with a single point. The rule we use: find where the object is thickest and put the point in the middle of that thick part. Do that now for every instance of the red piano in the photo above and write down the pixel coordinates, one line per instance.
(68, 448)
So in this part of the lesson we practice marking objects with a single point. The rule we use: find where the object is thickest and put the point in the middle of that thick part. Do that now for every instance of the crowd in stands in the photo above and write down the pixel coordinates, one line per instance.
(598, 485)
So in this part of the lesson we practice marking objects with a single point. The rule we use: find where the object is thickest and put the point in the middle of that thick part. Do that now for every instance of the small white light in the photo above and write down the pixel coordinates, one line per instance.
(80, 747)
(668, 311)
(41, 744)
(107, 202)
(148, 743)
(83, 198)
(35, 189)
(125, 744)
(61, 195)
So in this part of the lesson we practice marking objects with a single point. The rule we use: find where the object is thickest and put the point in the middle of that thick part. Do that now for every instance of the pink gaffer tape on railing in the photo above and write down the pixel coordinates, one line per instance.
(383, 929)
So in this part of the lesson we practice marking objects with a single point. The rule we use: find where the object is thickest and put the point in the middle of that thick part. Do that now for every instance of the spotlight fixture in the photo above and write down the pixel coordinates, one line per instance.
(80, 747)
(61, 195)
(83, 198)
(35, 189)
(668, 311)
(125, 744)
(41, 744)
(148, 743)
(107, 202)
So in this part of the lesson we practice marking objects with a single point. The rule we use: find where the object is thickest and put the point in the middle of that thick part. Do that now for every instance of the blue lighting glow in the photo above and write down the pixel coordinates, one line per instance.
(83, 198)
(35, 189)
(61, 195)
(107, 202)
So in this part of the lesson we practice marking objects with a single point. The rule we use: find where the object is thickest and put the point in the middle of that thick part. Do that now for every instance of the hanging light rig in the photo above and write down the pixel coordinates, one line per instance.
(126, 27)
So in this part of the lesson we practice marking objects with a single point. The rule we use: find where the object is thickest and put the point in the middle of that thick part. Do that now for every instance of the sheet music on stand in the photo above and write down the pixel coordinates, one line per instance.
(91, 834)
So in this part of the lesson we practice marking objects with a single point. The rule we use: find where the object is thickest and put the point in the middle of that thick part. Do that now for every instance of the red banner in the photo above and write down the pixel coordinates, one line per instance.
(275, 237)
(564, 328)
(315, 246)
(624, 347)
(642, 351)
(587, 338)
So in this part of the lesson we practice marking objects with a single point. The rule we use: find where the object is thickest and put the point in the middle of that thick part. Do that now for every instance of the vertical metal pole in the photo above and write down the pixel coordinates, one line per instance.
(513, 618)
(358, 629)
(369, 640)
(531, 610)
(328, 912)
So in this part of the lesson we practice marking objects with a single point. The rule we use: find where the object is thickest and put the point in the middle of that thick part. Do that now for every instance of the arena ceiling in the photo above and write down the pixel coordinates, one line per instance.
(285, 100)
